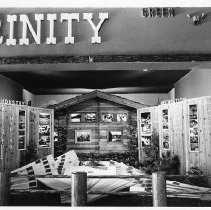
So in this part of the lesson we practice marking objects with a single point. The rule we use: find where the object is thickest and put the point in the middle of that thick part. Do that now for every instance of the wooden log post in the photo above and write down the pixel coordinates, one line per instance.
(4, 188)
(159, 188)
(79, 189)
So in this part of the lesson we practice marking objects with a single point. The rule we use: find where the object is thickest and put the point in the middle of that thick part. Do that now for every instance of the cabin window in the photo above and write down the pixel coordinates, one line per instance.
(114, 136)
(44, 130)
(90, 117)
(82, 136)
(193, 128)
(107, 117)
(122, 117)
(75, 117)
(22, 130)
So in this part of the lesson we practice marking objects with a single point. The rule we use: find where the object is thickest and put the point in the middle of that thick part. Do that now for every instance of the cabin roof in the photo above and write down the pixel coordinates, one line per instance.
(96, 94)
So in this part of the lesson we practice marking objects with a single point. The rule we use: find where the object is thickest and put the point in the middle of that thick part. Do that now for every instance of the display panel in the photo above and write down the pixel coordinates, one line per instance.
(90, 117)
(44, 130)
(75, 117)
(193, 128)
(21, 130)
(146, 129)
(114, 136)
(82, 136)
(122, 117)
(165, 130)
(107, 117)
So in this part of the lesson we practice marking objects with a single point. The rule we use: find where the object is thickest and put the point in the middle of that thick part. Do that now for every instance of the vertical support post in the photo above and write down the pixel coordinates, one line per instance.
(159, 188)
(79, 189)
(4, 188)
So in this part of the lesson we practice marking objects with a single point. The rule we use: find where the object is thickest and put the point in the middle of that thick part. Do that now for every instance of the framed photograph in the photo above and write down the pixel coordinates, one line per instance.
(146, 123)
(44, 130)
(193, 111)
(145, 141)
(166, 145)
(82, 136)
(75, 117)
(122, 117)
(114, 136)
(107, 117)
(165, 119)
(194, 139)
(193, 128)
(90, 117)
(21, 142)
(194, 147)
(22, 130)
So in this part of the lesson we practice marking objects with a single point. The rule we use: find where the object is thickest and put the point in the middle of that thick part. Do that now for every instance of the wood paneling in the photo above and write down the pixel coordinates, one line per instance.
(179, 129)
(9, 133)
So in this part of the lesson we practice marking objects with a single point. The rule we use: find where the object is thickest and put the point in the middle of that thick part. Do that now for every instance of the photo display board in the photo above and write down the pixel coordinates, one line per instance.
(44, 130)
(146, 129)
(193, 128)
(165, 130)
(21, 130)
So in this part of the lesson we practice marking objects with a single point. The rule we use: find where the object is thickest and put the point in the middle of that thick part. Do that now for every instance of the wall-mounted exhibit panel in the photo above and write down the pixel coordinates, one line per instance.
(184, 130)
(147, 124)
(22, 127)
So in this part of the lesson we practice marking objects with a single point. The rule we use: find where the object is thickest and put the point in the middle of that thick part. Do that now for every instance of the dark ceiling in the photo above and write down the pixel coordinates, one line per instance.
(46, 82)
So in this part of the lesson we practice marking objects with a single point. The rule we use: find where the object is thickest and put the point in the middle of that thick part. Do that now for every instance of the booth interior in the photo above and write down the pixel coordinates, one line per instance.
(120, 80)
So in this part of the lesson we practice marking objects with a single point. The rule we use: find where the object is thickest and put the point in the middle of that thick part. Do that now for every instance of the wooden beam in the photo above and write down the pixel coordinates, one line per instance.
(106, 58)
(100, 66)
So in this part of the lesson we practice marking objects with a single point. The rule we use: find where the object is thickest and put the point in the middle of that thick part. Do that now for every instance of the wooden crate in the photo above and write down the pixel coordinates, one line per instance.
(19, 125)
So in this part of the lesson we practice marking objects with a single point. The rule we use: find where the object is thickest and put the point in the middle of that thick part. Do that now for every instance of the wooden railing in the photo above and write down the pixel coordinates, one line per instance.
(79, 187)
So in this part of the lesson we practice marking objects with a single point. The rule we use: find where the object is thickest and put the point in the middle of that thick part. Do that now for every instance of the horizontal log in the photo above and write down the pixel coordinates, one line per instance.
(146, 193)
(35, 191)
(88, 176)
(183, 194)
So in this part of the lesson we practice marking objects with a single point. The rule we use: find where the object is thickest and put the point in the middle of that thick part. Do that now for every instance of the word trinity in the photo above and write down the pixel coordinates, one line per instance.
(67, 18)
(158, 12)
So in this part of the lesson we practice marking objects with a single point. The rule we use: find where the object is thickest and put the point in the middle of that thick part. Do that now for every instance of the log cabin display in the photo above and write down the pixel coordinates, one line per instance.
(20, 127)
(95, 122)
(184, 130)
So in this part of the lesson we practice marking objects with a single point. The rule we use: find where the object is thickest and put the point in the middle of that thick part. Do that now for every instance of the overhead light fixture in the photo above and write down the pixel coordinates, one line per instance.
(145, 69)
(197, 19)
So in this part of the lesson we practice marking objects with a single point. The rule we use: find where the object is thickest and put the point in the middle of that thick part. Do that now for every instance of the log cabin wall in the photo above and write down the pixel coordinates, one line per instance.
(19, 125)
(108, 135)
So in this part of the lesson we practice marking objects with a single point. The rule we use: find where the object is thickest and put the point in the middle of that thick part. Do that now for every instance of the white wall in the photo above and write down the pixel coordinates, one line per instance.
(195, 84)
(27, 96)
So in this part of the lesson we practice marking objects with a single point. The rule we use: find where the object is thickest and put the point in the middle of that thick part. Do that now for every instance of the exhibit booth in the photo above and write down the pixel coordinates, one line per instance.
(184, 129)
(24, 129)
